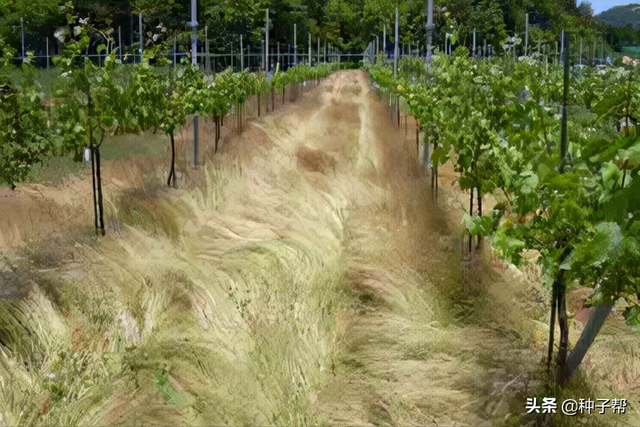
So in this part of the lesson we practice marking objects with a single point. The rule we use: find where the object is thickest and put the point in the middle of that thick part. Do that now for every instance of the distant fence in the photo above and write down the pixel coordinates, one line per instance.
(215, 62)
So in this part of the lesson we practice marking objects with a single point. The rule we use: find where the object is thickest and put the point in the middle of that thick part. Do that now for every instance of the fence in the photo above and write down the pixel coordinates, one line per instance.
(216, 62)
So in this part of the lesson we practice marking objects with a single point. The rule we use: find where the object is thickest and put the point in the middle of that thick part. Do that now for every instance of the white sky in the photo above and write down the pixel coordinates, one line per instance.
(602, 5)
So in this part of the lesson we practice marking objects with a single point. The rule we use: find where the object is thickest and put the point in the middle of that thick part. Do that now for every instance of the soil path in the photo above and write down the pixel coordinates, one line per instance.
(407, 360)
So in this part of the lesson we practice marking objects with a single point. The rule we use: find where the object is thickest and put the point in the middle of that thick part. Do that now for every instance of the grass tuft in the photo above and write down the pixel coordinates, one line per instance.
(212, 196)
(138, 208)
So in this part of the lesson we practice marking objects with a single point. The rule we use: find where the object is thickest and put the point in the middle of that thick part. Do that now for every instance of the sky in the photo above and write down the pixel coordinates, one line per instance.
(602, 5)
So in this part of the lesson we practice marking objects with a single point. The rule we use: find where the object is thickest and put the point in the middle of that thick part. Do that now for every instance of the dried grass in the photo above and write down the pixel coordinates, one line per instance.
(237, 301)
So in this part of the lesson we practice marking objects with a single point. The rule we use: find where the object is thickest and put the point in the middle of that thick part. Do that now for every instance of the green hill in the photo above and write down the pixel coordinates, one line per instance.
(621, 16)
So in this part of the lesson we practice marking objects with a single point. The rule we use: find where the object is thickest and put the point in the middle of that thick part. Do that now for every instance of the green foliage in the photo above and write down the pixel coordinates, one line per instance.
(497, 122)
(87, 96)
(620, 99)
(346, 24)
(168, 393)
(227, 89)
(160, 98)
(25, 135)
(91, 101)
(487, 18)
(40, 17)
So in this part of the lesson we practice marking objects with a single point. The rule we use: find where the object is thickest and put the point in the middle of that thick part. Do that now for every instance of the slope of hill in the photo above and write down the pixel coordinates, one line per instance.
(621, 16)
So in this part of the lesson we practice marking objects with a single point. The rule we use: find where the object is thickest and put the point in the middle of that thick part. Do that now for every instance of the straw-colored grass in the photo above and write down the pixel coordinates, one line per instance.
(302, 277)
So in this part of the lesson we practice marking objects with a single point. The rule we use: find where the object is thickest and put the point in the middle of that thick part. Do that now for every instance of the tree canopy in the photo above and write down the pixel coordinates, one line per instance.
(346, 24)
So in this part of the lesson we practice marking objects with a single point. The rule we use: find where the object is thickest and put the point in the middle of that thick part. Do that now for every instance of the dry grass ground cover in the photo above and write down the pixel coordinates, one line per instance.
(302, 276)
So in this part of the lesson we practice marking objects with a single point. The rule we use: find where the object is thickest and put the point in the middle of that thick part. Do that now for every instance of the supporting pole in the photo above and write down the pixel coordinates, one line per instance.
(526, 35)
(325, 49)
(384, 39)
(131, 34)
(565, 98)
(538, 49)
(96, 214)
(196, 135)
(141, 35)
(552, 323)
(546, 58)
(580, 51)
(207, 62)
(241, 54)
(22, 35)
(175, 51)
(120, 47)
(309, 49)
(99, 187)
(318, 51)
(426, 154)
(266, 43)
(429, 28)
(47, 52)
(591, 329)
(194, 62)
(473, 52)
(295, 44)
(396, 46)
(194, 32)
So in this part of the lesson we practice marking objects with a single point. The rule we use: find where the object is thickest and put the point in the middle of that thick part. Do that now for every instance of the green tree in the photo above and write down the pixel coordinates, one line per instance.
(25, 135)
(84, 98)
(40, 18)
(487, 18)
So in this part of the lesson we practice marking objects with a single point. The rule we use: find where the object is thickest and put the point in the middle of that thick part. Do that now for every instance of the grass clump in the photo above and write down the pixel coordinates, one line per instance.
(169, 395)
(416, 351)
(139, 208)
(212, 195)
(350, 362)
(29, 329)
(289, 296)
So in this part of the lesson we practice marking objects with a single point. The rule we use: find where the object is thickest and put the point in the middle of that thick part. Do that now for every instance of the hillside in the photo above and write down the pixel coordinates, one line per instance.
(621, 16)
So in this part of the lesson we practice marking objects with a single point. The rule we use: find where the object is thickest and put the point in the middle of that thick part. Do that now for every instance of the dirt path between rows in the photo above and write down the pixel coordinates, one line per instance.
(406, 359)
